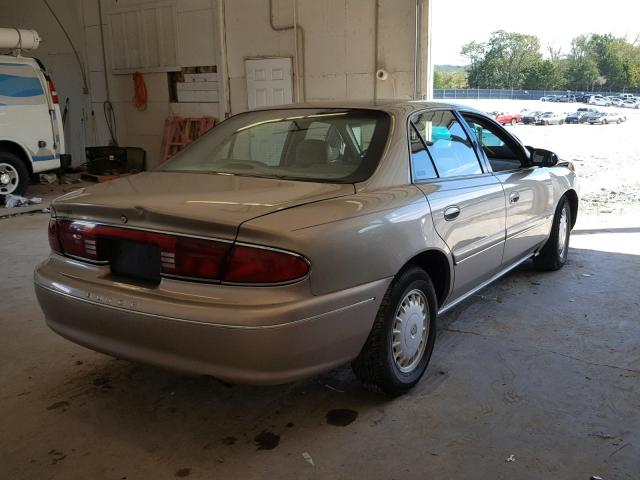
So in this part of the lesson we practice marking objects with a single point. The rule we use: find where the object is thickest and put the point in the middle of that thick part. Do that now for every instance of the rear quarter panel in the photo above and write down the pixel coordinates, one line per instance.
(351, 240)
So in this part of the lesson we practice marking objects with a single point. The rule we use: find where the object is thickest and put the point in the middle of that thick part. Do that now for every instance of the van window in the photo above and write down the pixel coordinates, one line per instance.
(20, 85)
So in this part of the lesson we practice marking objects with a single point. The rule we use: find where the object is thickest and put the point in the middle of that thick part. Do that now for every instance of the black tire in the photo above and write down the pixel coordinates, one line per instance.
(20, 184)
(513, 121)
(551, 257)
(375, 366)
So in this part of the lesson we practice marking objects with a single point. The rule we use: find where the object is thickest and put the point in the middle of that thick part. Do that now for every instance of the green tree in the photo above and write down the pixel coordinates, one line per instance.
(504, 61)
(442, 79)
(544, 75)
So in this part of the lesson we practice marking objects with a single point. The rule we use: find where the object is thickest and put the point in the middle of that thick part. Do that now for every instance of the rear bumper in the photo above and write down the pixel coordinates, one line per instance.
(315, 335)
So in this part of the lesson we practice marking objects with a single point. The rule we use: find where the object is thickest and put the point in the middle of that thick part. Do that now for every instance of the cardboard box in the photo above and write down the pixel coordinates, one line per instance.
(200, 77)
(197, 96)
(196, 86)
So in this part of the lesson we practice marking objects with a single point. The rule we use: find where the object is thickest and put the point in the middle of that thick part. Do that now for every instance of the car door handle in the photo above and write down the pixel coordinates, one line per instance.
(514, 197)
(451, 213)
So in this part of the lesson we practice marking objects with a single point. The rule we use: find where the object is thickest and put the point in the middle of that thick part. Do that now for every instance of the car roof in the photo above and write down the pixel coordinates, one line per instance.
(385, 105)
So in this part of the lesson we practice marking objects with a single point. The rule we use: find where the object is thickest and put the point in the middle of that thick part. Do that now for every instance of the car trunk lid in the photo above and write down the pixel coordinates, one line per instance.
(210, 205)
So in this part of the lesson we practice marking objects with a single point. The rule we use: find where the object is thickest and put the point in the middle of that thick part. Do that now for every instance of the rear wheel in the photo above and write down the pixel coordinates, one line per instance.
(553, 255)
(398, 349)
(513, 121)
(14, 176)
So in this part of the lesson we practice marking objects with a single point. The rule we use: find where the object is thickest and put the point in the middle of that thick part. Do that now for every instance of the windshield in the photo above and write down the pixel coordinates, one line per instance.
(327, 145)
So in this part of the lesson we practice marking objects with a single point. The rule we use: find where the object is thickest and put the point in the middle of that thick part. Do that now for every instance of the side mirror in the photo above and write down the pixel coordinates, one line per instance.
(543, 158)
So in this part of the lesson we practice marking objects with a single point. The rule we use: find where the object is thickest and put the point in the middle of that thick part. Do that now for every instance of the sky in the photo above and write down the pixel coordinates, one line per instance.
(555, 22)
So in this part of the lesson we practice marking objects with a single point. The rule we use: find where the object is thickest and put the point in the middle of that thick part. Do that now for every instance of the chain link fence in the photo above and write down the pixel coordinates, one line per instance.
(507, 94)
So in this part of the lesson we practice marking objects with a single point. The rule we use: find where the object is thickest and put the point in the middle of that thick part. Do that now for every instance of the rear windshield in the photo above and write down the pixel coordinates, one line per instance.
(334, 145)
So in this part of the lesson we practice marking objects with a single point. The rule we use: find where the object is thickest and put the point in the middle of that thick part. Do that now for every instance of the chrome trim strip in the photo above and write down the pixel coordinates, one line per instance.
(207, 324)
(487, 282)
(526, 229)
(85, 260)
(152, 230)
(501, 241)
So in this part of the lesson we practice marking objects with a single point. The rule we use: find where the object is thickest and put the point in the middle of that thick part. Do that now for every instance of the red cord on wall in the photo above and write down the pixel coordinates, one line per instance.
(140, 91)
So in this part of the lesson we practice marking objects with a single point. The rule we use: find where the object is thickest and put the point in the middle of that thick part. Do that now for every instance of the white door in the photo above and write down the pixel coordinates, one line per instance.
(269, 82)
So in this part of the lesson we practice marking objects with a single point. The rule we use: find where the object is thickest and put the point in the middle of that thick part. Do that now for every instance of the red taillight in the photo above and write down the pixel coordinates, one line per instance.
(54, 241)
(259, 265)
(52, 91)
(180, 256)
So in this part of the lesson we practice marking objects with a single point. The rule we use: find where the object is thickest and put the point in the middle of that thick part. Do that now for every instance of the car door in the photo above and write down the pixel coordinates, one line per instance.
(467, 202)
(528, 189)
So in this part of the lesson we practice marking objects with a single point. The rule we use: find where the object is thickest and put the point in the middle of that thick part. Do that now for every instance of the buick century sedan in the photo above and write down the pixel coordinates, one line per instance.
(291, 240)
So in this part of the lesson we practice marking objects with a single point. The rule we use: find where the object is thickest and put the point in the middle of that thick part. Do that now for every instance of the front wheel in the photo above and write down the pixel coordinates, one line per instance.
(399, 346)
(14, 176)
(553, 255)
(513, 121)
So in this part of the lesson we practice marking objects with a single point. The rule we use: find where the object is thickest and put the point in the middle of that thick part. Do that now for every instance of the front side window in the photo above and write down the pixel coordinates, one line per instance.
(446, 144)
(330, 145)
(494, 143)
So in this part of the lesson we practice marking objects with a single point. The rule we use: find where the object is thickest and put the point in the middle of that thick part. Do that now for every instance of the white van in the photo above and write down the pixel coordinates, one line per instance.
(31, 136)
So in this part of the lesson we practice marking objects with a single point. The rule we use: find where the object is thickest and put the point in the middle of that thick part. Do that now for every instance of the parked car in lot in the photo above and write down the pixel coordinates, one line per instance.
(631, 103)
(580, 116)
(599, 100)
(550, 118)
(31, 131)
(566, 98)
(548, 98)
(616, 101)
(508, 118)
(603, 118)
(531, 118)
(287, 241)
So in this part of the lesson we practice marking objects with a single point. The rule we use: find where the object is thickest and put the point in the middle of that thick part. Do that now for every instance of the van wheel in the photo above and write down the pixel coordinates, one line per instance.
(14, 176)
(553, 255)
(397, 352)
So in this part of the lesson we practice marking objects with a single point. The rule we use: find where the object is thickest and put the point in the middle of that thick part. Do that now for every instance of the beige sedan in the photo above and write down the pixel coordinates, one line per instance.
(288, 241)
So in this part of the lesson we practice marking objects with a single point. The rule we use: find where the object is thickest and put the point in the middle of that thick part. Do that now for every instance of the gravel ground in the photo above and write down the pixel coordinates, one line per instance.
(606, 157)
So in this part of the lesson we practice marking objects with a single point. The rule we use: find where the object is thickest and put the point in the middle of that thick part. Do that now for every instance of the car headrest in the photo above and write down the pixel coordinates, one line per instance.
(312, 152)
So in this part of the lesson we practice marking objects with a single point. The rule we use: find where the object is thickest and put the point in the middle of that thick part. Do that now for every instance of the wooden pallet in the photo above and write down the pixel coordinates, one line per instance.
(90, 177)
(181, 131)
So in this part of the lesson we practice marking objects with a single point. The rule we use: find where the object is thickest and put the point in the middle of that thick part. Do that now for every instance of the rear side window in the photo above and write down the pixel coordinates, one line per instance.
(20, 85)
(446, 144)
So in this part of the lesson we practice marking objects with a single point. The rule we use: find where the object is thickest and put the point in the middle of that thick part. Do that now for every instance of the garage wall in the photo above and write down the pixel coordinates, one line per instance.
(339, 41)
(336, 55)
(57, 55)
(196, 46)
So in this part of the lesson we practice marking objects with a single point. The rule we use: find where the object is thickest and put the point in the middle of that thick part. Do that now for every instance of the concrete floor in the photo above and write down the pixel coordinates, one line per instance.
(544, 367)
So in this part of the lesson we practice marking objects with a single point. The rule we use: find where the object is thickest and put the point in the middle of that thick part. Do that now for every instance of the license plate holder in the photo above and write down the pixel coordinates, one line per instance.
(139, 261)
